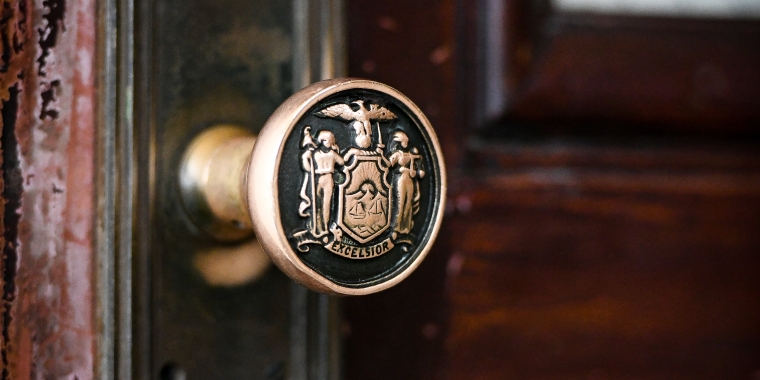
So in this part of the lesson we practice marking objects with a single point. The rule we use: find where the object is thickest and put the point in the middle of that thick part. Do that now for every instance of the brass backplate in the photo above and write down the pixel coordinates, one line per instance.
(208, 63)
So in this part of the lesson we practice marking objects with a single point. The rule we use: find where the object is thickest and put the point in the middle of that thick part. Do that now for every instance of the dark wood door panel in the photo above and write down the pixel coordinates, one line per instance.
(642, 75)
(410, 45)
(562, 272)
(588, 73)
(602, 226)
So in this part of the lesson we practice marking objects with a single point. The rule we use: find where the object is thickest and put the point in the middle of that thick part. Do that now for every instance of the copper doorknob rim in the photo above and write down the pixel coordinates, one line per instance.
(308, 168)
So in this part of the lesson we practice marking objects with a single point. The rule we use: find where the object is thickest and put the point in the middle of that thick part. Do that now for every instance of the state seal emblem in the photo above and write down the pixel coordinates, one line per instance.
(358, 201)
(353, 184)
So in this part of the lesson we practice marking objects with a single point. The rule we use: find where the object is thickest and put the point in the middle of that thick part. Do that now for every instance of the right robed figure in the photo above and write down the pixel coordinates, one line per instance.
(405, 187)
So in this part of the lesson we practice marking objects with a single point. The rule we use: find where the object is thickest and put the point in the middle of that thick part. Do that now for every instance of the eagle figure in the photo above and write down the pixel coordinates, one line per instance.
(361, 117)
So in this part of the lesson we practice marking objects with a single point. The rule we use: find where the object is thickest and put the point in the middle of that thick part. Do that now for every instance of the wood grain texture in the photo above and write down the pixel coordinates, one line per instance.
(605, 227)
(604, 74)
(624, 272)
(643, 74)
(399, 333)
(412, 47)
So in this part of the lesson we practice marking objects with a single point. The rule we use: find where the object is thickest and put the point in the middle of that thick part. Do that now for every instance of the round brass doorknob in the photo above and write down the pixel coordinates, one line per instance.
(344, 186)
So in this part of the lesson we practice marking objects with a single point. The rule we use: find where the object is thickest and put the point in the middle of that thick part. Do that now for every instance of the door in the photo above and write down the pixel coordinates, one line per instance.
(603, 205)
(603, 208)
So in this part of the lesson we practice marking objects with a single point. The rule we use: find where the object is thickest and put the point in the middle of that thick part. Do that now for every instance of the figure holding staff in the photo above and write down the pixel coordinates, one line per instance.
(319, 162)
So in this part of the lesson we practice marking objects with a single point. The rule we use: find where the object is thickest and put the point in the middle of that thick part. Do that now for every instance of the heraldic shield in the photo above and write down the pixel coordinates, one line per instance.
(364, 199)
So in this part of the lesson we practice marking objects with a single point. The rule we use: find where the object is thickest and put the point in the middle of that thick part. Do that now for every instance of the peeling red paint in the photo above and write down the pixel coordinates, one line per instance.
(49, 327)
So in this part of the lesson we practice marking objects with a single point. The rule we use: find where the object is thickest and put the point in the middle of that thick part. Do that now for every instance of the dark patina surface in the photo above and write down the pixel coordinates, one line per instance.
(345, 271)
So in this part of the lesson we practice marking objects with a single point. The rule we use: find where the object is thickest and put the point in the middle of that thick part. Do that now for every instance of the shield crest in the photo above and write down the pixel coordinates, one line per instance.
(364, 199)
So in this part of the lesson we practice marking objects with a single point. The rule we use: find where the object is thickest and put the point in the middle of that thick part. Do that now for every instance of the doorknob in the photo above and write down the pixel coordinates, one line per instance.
(344, 186)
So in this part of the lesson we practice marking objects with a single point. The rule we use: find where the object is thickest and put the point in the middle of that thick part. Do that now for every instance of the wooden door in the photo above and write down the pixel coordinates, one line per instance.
(605, 194)
(603, 209)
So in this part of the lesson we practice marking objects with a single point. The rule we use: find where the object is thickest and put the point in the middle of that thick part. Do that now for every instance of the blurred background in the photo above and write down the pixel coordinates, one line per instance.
(604, 203)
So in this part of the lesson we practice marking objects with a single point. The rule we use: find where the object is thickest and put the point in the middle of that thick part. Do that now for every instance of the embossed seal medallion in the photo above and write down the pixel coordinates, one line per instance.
(359, 185)
(378, 188)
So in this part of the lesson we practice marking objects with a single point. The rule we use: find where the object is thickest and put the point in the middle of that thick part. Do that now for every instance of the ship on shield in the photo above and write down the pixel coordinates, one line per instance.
(377, 191)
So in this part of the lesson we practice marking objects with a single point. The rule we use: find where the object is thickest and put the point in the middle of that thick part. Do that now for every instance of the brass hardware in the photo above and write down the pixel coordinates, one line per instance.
(212, 178)
(212, 175)
(344, 186)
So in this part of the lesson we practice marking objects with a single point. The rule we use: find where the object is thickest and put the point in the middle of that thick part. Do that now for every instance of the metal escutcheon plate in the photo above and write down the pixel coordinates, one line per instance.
(346, 186)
